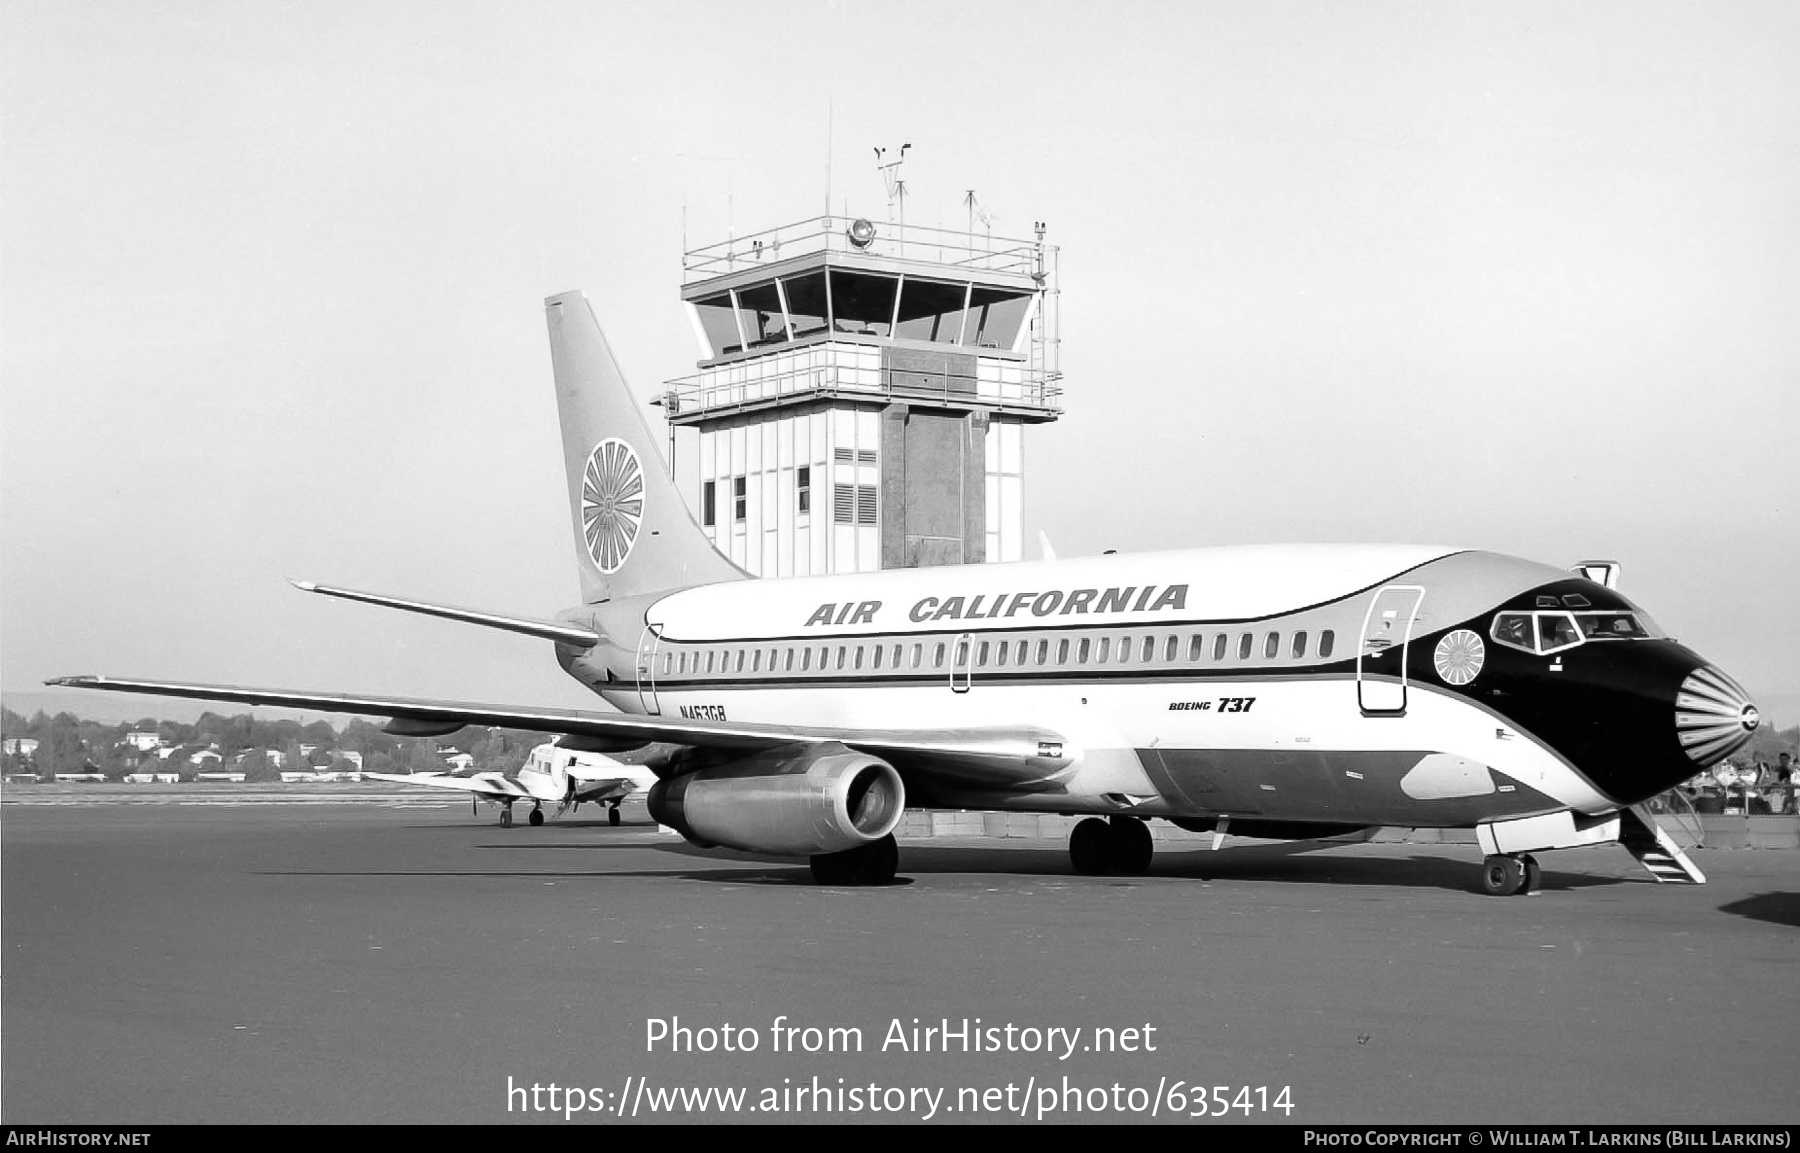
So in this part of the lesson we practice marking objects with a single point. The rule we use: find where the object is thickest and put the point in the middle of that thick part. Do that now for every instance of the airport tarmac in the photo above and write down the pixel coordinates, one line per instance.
(346, 963)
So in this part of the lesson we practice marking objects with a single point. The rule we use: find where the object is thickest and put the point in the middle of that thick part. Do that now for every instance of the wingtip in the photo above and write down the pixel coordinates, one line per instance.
(304, 586)
(74, 682)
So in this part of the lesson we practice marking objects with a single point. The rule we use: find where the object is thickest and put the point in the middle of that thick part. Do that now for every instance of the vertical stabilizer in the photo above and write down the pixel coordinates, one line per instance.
(633, 534)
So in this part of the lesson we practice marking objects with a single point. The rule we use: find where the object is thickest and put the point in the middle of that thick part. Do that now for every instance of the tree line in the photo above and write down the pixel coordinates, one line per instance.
(69, 744)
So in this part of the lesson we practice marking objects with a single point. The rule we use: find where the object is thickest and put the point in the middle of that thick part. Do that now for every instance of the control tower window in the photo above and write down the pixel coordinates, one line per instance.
(862, 304)
(931, 310)
(720, 323)
(759, 310)
(806, 302)
(994, 317)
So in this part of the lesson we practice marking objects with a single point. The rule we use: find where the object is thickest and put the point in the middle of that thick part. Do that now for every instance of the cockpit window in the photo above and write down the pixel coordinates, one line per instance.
(1514, 630)
(1547, 632)
(1610, 626)
(1556, 631)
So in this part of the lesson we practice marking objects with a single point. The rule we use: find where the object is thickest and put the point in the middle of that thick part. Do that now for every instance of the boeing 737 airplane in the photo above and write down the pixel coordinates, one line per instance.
(566, 778)
(1294, 691)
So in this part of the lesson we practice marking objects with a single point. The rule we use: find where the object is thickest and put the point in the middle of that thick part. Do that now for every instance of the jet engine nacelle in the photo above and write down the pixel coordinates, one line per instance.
(797, 801)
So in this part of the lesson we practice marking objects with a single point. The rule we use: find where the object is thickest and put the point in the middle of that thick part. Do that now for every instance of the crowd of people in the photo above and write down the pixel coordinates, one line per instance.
(1753, 787)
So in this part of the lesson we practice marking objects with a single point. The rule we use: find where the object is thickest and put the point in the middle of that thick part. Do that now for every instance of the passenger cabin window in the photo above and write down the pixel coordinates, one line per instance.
(1062, 651)
(1325, 641)
(1299, 644)
(1245, 641)
(1196, 647)
(1219, 643)
(981, 655)
(1105, 650)
(1043, 651)
(937, 657)
(1272, 646)
(918, 655)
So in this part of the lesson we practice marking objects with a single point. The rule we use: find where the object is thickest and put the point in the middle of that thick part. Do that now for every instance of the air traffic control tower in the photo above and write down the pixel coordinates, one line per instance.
(862, 394)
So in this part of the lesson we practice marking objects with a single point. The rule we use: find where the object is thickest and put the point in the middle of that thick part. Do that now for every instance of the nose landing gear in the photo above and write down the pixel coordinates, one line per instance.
(1508, 874)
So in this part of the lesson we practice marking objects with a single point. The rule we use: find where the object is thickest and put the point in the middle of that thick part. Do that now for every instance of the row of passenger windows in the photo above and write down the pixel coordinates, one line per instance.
(991, 654)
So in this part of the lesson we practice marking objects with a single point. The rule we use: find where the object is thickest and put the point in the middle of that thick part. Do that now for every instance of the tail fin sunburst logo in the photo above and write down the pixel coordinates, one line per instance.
(612, 503)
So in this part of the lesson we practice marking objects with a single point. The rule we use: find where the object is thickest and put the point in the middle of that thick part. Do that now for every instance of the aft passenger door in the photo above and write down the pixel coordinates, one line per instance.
(646, 670)
(1381, 671)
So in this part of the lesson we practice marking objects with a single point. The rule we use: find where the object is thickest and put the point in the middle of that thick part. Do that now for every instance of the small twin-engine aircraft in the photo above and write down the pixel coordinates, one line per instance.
(1295, 691)
(564, 777)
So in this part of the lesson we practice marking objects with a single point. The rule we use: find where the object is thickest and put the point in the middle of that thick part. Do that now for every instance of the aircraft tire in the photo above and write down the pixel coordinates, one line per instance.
(1132, 846)
(612, 815)
(506, 817)
(1502, 876)
(536, 818)
(1534, 875)
(872, 864)
(1091, 847)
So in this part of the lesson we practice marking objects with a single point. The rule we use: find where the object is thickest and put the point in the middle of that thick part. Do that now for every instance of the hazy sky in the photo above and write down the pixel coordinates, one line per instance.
(1513, 276)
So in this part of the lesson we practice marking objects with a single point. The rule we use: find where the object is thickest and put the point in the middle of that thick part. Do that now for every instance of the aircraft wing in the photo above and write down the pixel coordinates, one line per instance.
(607, 788)
(1001, 757)
(491, 785)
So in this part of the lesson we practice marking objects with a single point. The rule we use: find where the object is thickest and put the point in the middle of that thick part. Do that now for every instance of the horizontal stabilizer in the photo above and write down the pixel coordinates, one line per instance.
(558, 631)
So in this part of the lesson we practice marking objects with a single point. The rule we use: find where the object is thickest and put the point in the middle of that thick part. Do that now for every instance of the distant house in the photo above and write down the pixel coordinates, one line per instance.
(152, 778)
(204, 758)
(226, 778)
(24, 778)
(21, 747)
(80, 777)
(143, 741)
(354, 758)
(460, 762)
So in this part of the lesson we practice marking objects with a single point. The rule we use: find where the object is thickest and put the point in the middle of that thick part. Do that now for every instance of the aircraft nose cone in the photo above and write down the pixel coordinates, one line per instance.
(1714, 716)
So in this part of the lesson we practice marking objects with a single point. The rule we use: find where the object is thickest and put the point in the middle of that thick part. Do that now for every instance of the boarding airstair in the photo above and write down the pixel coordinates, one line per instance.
(1654, 849)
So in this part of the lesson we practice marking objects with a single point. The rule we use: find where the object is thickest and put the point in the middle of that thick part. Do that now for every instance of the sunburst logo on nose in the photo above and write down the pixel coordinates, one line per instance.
(1751, 718)
(612, 503)
(1459, 656)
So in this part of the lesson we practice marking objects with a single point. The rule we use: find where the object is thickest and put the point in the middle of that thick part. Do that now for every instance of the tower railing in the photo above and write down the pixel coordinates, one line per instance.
(831, 372)
(964, 248)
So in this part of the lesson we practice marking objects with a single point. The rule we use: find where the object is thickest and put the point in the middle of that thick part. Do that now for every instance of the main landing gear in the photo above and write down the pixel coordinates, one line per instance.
(872, 864)
(1506, 874)
(1119, 844)
(537, 815)
(506, 815)
(612, 814)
